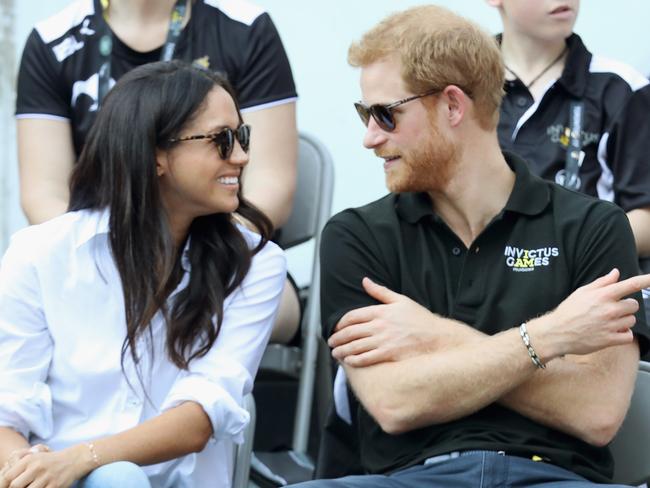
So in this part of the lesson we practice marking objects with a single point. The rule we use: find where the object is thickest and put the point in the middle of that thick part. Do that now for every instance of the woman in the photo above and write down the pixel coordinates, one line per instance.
(132, 326)
(72, 57)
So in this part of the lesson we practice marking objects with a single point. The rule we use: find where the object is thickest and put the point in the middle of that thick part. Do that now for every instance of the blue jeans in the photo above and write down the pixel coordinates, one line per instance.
(115, 475)
(476, 469)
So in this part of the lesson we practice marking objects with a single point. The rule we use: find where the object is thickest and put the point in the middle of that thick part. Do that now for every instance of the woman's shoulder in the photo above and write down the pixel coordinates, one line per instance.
(270, 251)
(59, 234)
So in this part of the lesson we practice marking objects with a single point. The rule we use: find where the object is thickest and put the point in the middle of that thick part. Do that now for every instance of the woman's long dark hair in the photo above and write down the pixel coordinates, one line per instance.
(117, 170)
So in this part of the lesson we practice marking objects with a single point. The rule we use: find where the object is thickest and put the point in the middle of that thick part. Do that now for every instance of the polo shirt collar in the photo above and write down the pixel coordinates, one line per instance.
(530, 195)
(576, 68)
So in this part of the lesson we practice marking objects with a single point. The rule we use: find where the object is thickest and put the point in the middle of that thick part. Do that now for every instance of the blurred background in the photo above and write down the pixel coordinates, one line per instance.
(316, 35)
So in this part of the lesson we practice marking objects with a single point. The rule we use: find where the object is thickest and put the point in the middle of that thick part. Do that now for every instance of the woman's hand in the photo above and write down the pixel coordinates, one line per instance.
(37, 467)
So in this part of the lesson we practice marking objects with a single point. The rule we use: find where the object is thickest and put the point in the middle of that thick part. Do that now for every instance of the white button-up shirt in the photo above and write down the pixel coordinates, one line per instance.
(62, 326)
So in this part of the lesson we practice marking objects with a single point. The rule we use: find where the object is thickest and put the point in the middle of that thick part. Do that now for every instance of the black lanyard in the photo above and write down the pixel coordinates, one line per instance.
(574, 149)
(106, 45)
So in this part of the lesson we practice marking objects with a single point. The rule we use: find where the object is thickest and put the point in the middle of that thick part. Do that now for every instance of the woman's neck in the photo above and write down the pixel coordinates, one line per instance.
(142, 24)
(140, 10)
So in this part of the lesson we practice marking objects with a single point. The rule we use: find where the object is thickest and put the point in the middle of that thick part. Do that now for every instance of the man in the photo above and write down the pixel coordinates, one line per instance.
(480, 312)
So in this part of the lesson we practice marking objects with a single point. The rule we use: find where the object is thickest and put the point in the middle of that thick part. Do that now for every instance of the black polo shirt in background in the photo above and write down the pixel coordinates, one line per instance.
(547, 242)
(537, 131)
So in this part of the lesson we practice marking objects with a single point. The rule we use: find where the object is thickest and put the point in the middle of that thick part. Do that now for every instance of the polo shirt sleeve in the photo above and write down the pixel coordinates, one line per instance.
(628, 152)
(26, 346)
(607, 242)
(40, 89)
(348, 253)
(265, 75)
(219, 380)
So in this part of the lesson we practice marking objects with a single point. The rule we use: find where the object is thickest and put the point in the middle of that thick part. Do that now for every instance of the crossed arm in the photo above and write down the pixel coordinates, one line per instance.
(434, 370)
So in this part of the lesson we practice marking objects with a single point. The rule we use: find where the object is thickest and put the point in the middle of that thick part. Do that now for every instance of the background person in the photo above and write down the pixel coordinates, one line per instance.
(132, 326)
(548, 68)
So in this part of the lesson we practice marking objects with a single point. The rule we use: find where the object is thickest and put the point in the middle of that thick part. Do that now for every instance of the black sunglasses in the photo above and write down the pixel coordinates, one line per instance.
(224, 139)
(383, 114)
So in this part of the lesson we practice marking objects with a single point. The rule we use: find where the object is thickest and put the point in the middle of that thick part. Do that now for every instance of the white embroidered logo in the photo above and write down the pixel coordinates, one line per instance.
(523, 260)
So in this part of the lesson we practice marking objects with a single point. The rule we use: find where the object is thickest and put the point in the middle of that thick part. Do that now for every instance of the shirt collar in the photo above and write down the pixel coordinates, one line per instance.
(93, 223)
(530, 195)
(576, 68)
(96, 222)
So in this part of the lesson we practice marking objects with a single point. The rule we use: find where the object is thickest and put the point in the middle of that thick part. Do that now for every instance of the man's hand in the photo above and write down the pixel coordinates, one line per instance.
(593, 317)
(397, 329)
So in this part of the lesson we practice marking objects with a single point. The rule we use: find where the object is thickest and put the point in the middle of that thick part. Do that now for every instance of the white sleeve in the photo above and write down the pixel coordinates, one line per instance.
(25, 344)
(219, 380)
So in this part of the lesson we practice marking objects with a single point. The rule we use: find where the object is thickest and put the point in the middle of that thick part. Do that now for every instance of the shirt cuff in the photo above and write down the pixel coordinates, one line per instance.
(227, 416)
(28, 412)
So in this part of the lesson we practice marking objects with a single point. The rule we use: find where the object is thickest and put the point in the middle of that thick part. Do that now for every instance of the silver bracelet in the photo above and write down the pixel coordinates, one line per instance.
(523, 332)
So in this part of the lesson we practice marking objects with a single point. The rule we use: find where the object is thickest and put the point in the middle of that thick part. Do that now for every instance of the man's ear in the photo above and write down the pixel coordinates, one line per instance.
(457, 103)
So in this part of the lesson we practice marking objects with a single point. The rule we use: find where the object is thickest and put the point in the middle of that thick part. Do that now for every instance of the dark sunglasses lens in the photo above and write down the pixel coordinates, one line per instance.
(244, 136)
(224, 141)
(383, 116)
(363, 112)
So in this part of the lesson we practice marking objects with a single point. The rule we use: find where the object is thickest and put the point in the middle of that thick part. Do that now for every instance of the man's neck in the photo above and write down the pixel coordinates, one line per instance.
(477, 191)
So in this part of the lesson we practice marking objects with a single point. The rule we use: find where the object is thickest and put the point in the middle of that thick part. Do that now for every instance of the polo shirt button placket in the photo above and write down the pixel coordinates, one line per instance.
(456, 251)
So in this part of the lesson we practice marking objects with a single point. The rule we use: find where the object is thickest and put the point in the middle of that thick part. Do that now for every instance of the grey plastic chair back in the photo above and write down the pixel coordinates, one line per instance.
(311, 209)
(631, 446)
(312, 202)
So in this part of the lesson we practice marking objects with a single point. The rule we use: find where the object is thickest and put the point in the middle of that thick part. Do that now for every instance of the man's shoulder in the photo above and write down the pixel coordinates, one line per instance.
(574, 207)
(372, 214)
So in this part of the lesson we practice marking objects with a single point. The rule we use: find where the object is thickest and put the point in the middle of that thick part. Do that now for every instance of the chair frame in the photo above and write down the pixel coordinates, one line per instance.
(630, 446)
(301, 362)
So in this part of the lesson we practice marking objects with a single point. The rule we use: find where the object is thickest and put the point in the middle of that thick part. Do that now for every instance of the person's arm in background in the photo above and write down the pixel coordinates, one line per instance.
(45, 143)
(267, 95)
(45, 158)
(626, 152)
(270, 179)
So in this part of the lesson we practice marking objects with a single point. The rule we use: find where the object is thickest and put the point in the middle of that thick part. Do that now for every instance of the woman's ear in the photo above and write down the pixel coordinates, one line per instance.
(162, 162)
(495, 3)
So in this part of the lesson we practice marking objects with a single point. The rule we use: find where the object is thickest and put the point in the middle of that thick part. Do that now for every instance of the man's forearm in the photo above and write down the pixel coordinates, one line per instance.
(442, 386)
(585, 396)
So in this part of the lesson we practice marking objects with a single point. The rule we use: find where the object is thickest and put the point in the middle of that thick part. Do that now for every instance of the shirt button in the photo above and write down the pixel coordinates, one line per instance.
(456, 251)
(522, 102)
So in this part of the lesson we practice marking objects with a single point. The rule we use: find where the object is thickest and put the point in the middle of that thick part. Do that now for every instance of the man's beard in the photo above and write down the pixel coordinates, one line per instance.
(426, 168)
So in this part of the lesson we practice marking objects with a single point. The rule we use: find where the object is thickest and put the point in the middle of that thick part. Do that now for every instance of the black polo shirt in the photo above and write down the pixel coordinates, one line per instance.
(537, 131)
(547, 242)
